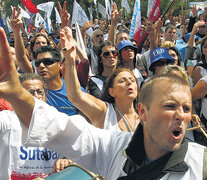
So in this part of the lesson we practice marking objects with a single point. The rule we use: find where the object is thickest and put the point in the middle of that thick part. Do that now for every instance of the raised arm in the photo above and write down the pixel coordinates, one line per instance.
(115, 15)
(65, 17)
(10, 88)
(85, 27)
(92, 107)
(21, 55)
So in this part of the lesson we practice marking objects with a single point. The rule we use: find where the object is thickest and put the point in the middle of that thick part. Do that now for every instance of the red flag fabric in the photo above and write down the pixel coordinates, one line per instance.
(30, 6)
(153, 9)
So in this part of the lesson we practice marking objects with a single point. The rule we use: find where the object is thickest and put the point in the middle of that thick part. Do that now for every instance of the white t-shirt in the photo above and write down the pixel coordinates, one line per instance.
(18, 162)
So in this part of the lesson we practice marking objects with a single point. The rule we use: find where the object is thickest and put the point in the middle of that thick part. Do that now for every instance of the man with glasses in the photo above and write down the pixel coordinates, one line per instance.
(18, 161)
(159, 57)
(47, 62)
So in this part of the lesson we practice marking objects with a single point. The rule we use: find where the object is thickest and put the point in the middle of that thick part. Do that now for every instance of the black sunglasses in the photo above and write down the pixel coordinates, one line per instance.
(162, 63)
(107, 53)
(45, 61)
(39, 91)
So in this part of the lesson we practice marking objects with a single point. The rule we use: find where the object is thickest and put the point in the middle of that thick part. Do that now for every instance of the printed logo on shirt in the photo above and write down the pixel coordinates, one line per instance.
(36, 154)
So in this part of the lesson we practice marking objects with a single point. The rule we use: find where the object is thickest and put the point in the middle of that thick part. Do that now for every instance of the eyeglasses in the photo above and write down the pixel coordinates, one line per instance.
(162, 63)
(127, 48)
(99, 35)
(107, 53)
(45, 61)
(40, 92)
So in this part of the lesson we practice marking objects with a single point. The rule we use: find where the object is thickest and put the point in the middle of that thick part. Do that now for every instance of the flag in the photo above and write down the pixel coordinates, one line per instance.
(125, 4)
(30, 6)
(108, 8)
(136, 19)
(39, 20)
(102, 10)
(47, 8)
(57, 15)
(8, 24)
(79, 37)
(153, 11)
(24, 13)
(91, 13)
(79, 14)
(1, 21)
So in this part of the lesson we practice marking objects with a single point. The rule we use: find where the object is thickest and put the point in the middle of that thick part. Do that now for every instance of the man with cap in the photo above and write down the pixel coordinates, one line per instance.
(156, 150)
(159, 57)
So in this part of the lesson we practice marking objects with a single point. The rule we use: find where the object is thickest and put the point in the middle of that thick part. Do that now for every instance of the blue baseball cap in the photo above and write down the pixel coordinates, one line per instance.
(158, 54)
(124, 43)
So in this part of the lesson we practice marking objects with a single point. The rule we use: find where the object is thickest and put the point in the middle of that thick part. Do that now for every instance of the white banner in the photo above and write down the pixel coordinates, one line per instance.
(201, 5)
(136, 19)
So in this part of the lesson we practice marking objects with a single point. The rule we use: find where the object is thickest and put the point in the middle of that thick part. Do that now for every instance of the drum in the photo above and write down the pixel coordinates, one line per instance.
(73, 172)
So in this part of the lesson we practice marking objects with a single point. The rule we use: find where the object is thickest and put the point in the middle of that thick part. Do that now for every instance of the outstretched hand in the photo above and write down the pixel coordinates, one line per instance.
(64, 15)
(16, 22)
(9, 81)
(68, 44)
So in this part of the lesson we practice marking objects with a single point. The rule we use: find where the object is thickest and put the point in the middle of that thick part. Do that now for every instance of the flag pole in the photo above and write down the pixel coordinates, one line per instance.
(172, 3)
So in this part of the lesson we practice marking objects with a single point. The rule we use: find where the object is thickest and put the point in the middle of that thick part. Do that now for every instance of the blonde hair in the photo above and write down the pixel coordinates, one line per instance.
(174, 69)
(167, 44)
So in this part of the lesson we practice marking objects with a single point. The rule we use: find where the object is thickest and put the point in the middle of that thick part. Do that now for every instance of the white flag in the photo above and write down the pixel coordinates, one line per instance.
(125, 4)
(47, 8)
(24, 13)
(79, 37)
(57, 15)
(79, 14)
(39, 20)
(8, 24)
(91, 13)
(102, 10)
(108, 8)
(136, 19)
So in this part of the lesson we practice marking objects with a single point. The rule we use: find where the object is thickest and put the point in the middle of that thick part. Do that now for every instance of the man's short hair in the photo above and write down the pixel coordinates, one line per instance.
(146, 93)
(53, 50)
(170, 26)
(32, 76)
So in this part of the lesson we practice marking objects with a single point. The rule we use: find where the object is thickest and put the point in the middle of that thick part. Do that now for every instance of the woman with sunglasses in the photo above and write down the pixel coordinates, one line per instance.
(127, 58)
(119, 113)
(107, 61)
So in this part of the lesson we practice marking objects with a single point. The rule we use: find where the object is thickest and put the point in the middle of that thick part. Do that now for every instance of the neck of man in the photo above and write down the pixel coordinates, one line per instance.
(54, 84)
(152, 149)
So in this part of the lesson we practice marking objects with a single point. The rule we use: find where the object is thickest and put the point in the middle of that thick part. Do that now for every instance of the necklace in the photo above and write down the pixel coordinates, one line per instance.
(125, 121)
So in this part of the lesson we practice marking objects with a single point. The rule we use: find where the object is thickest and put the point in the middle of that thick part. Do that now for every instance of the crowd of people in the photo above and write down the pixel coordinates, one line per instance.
(122, 108)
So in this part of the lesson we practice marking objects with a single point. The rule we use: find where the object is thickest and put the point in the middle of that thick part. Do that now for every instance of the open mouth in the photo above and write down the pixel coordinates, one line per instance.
(176, 133)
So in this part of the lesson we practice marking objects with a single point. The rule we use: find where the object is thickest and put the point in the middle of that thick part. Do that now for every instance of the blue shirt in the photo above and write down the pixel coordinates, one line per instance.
(59, 99)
